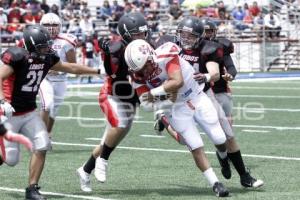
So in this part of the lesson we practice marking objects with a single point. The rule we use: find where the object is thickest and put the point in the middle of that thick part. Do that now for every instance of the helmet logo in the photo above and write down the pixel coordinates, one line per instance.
(143, 28)
(144, 49)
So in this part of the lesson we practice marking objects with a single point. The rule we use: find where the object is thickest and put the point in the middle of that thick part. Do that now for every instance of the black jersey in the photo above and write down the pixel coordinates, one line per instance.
(117, 82)
(207, 51)
(227, 63)
(21, 88)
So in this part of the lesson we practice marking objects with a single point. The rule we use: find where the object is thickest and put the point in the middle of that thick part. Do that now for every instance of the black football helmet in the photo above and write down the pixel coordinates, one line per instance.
(190, 32)
(210, 29)
(132, 24)
(37, 40)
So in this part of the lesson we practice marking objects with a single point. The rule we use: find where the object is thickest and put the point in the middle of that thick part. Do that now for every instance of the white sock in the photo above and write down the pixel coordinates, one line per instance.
(222, 154)
(210, 176)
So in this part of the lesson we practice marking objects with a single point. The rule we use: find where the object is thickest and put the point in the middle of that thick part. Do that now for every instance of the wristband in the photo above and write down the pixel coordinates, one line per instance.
(159, 91)
(208, 77)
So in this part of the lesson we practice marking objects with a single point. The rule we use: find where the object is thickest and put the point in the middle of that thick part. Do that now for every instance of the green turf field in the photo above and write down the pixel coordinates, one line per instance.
(266, 123)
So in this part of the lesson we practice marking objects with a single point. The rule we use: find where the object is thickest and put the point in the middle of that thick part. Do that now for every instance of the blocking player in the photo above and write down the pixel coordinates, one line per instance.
(20, 78)
(117, 99)
(162, 72)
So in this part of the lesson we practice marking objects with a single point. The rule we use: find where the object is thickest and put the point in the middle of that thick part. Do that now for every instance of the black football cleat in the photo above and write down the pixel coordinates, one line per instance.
(249, 182)
(225, 167)
(1, 161)
(33, 193)
(220, 190)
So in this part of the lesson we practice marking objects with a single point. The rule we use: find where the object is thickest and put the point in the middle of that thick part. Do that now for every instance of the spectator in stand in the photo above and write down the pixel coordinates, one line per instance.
(86, 26)
(238, 15)
(3, 22)
(54, 9)
(39, 16)
(259, 24)
(113, 22)
(175, 10)
(15, 28)
(45, 7)
(117, 9)
(272, 24)
(154, 5)
(153, 20)
(28, 18)
(105, 11)
(254, 9)
(14, 12)
(84, 9)
(74, 28)
(68, 12)
(128, 8)
(220, 10)
(34, 6)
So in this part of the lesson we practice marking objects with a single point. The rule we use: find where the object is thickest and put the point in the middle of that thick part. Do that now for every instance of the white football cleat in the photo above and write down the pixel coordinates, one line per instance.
(85, 183)
(101, 169)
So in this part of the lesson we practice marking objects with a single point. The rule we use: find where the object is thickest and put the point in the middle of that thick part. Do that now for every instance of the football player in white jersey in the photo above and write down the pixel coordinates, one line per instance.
(53, 87)
(161, 72)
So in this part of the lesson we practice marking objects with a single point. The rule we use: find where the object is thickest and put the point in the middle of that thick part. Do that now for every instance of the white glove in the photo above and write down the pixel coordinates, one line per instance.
(6, 109)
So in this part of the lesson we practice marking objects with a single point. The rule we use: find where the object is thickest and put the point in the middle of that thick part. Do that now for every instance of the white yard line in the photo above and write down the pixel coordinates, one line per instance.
(153, 136)
(151, 122)
(178, 151)
(54, 194)
(255, 131)
(237, 108)
(89, 94)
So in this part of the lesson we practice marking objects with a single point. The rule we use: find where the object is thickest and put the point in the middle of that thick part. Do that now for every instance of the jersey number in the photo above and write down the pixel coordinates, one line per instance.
(34, 82)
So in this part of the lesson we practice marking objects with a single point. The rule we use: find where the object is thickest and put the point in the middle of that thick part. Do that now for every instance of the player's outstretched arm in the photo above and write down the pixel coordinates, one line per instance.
(75, 68)
(5, 72)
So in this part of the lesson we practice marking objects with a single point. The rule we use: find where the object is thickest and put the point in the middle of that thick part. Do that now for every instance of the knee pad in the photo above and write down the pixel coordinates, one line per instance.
(12, 157)
(42, 142)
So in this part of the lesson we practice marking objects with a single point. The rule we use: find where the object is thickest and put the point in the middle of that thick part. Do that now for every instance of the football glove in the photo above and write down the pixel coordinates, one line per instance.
(104, 45)
(158, 124)
(6, 109)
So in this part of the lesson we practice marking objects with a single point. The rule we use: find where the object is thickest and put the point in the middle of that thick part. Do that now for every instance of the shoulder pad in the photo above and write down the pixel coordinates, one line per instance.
(13, 54)
(166, 38)
(116, 47)
(72, 39)
(210, 47)
(227, 44)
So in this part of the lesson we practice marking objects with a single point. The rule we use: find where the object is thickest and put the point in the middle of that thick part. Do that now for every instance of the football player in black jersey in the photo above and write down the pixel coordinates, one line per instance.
(222, 94)
(117, 98)
(20, 78)
(206, 57)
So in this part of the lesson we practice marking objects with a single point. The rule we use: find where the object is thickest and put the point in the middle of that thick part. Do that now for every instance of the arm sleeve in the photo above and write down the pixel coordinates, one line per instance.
(229, 65)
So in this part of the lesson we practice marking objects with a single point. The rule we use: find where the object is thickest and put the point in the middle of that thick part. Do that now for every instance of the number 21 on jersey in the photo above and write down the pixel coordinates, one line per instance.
(35, 78)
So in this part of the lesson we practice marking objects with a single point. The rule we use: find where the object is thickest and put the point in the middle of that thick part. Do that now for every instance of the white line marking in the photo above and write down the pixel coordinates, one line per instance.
(255, 131)
(267, 96)
(151, 122)
(85, 94)
(153, 136)
(94, 139)
(54, 194)
(253, 80)
(177, 151)
(237, 108)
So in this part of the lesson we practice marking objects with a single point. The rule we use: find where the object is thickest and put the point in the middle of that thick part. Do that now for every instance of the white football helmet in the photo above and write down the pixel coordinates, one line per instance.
(52, 23)
(137, 53)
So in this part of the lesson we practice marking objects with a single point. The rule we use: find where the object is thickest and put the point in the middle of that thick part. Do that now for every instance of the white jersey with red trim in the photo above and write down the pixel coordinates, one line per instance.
(168, 57)
(62, 44)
